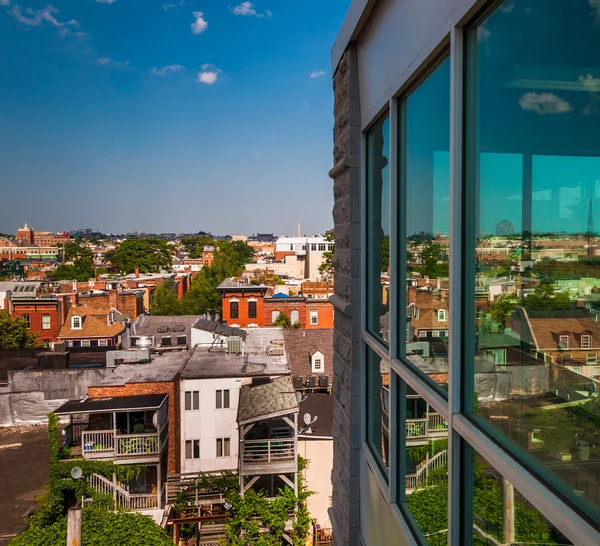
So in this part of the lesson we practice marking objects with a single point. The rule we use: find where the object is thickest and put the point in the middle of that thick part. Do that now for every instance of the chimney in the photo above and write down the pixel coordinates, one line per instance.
(217, 316)
(299, 230)
(75, 286)
(74, 298)
(137, 272)
(112, 298)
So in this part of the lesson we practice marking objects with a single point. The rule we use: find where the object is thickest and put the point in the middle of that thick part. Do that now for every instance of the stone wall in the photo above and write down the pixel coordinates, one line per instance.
(346, 385)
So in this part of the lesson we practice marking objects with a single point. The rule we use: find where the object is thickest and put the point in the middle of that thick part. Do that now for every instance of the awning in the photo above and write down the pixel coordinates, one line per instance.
(140, 402)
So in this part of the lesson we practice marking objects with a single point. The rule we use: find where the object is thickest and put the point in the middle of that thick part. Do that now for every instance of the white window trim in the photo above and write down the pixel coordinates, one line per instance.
(49, 326)
(73, 327)
(85, 342)
(592, 360)
(318, 356)
(314, 317)
(102, 343)
(588, 341)
(442, 315)
(422, 333)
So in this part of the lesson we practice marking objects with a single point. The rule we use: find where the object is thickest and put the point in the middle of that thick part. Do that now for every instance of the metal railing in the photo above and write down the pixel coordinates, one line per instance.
(416, 428)
(432, 425)
(267, 451)
(436, 422)
(124, 499)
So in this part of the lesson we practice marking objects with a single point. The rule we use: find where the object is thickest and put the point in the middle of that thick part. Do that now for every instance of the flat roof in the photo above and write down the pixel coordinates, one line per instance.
(160, 369)
(229, 284)
(207, 363)
(115, 403)
(316, 417)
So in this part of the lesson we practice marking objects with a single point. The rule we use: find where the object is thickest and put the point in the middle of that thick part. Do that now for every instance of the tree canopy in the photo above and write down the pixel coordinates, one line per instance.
(74, 250)
(81, 270)
(165, 301)
(15, 333)
(149, 255)
(194, 245)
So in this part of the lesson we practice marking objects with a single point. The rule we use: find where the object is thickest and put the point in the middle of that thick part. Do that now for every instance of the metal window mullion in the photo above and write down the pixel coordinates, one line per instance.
(362, 305)
(460, 491)
(395, 285)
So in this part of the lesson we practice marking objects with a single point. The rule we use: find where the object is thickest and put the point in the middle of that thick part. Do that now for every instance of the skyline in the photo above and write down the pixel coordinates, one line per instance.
(178, 117)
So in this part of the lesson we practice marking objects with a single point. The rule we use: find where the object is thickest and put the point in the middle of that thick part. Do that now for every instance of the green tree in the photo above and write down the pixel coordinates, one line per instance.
(15, 333)
(149, 255)
(81, 270)
(74, 250)
(194, 245)
(282, 321)
(326, 268)
(545, 298)
(502, 309)
(434, 263)
(229, 260)
(165, 301)
(385, 254)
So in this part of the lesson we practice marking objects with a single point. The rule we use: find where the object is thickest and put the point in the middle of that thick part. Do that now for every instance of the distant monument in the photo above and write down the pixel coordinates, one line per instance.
(505, 228)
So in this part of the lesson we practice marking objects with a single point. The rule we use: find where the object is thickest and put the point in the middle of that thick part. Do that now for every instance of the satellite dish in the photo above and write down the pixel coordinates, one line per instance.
(307, 418)
(76, 472)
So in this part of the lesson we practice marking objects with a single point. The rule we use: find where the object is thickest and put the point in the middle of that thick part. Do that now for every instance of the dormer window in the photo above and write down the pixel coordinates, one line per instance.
(441, 315)
(563, 342)
(76, 322)
(586, 341)
(318, 362)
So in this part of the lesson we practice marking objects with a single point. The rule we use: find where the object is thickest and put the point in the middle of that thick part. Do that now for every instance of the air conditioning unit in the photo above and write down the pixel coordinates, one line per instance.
(234, 345)
(298, 381)
(311, 381)
(323, 381)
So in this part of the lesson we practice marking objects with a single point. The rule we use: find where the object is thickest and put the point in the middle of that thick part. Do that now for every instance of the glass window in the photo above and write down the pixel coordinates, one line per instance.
(188, 449)
(314, 316)
(426, 463)
(85, 342)
(252, 309)
(196, 400)
(322, 247)
(313, 247)
(196, 449)
(76, 322)
(27, 319)
(226, 398)
(426, 173)
(533, 171)
(102, 343)
(233, 309)
(378, 230)
(188, 400)
(219, 403)
(378, 404)
(226, 447)
(501, 515)
(219, 447)
(46, 323)
(295, 316)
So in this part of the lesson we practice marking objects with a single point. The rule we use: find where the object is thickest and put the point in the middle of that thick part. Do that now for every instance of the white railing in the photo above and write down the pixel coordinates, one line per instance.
(130, 445)
(419, 478)
(268, 451)
(97, 443)
(416, 428)
(437, 423)
(124, 499)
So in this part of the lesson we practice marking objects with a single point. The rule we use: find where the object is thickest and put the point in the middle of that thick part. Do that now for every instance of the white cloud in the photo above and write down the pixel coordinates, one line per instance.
(164, 70)
(167, 7)
(36, 18)
(508, 6)
(317, 74)
(544, 103)
(483, 34)
(199, 25)
(247, 9)
(107, 61)
(595, 5)
(4, 2)
(590, 83)
(209, 74)
(106, 1)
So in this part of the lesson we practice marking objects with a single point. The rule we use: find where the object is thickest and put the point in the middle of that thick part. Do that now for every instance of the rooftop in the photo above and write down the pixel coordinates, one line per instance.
(300, 345)
(316, 417)
(267, 400)
(207, 363)
(164, 325)
(240, 284)
(218, 328)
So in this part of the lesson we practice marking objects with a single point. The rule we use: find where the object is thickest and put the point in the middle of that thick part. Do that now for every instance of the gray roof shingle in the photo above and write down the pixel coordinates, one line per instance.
(261, 401)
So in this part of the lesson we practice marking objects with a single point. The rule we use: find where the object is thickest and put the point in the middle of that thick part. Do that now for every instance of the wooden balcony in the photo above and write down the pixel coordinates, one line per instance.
(275, 456)
(106, 444)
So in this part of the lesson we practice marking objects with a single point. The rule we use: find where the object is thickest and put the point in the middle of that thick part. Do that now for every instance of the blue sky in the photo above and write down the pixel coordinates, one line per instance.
(167, 115)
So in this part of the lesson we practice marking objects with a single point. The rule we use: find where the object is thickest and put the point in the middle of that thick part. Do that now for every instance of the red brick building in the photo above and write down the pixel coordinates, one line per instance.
(309, 313)
(86, 326)
(44, 316)
(242, 303)
(208, 255)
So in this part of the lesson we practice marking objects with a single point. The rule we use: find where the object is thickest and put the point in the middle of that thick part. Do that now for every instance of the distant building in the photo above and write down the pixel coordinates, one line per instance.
(505, 228)
(86, 326)
(208, 255)
(41, 238)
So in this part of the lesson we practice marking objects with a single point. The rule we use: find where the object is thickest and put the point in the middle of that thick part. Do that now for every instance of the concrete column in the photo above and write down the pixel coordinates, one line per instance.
(508, 507)
(74, 526)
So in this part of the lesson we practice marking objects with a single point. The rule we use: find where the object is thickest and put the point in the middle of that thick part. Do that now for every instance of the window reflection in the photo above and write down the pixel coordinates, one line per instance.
(427, 180)
(378, 230)
(426, 478)
(378, 408)
(533, 158)
(502, 515)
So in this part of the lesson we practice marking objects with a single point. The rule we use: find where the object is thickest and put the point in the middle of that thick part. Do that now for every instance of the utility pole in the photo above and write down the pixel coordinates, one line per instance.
(74, 526)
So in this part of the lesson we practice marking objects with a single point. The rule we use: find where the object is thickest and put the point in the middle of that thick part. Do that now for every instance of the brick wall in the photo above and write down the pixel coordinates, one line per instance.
(346, 260)
(171, 388)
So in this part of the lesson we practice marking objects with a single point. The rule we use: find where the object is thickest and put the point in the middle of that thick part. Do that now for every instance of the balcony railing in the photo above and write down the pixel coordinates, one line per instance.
(419, 478)
(431, 426)
(268, 451)
(103, 444)
(124, 499)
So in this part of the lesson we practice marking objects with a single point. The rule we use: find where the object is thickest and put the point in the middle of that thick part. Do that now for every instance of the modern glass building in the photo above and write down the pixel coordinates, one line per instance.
(467, 273)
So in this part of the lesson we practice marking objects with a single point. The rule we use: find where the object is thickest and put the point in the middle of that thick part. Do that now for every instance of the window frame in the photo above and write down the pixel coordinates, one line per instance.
(27, 318)
(234, 305)
(252, 308)
(46, 321)
(314, 317)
